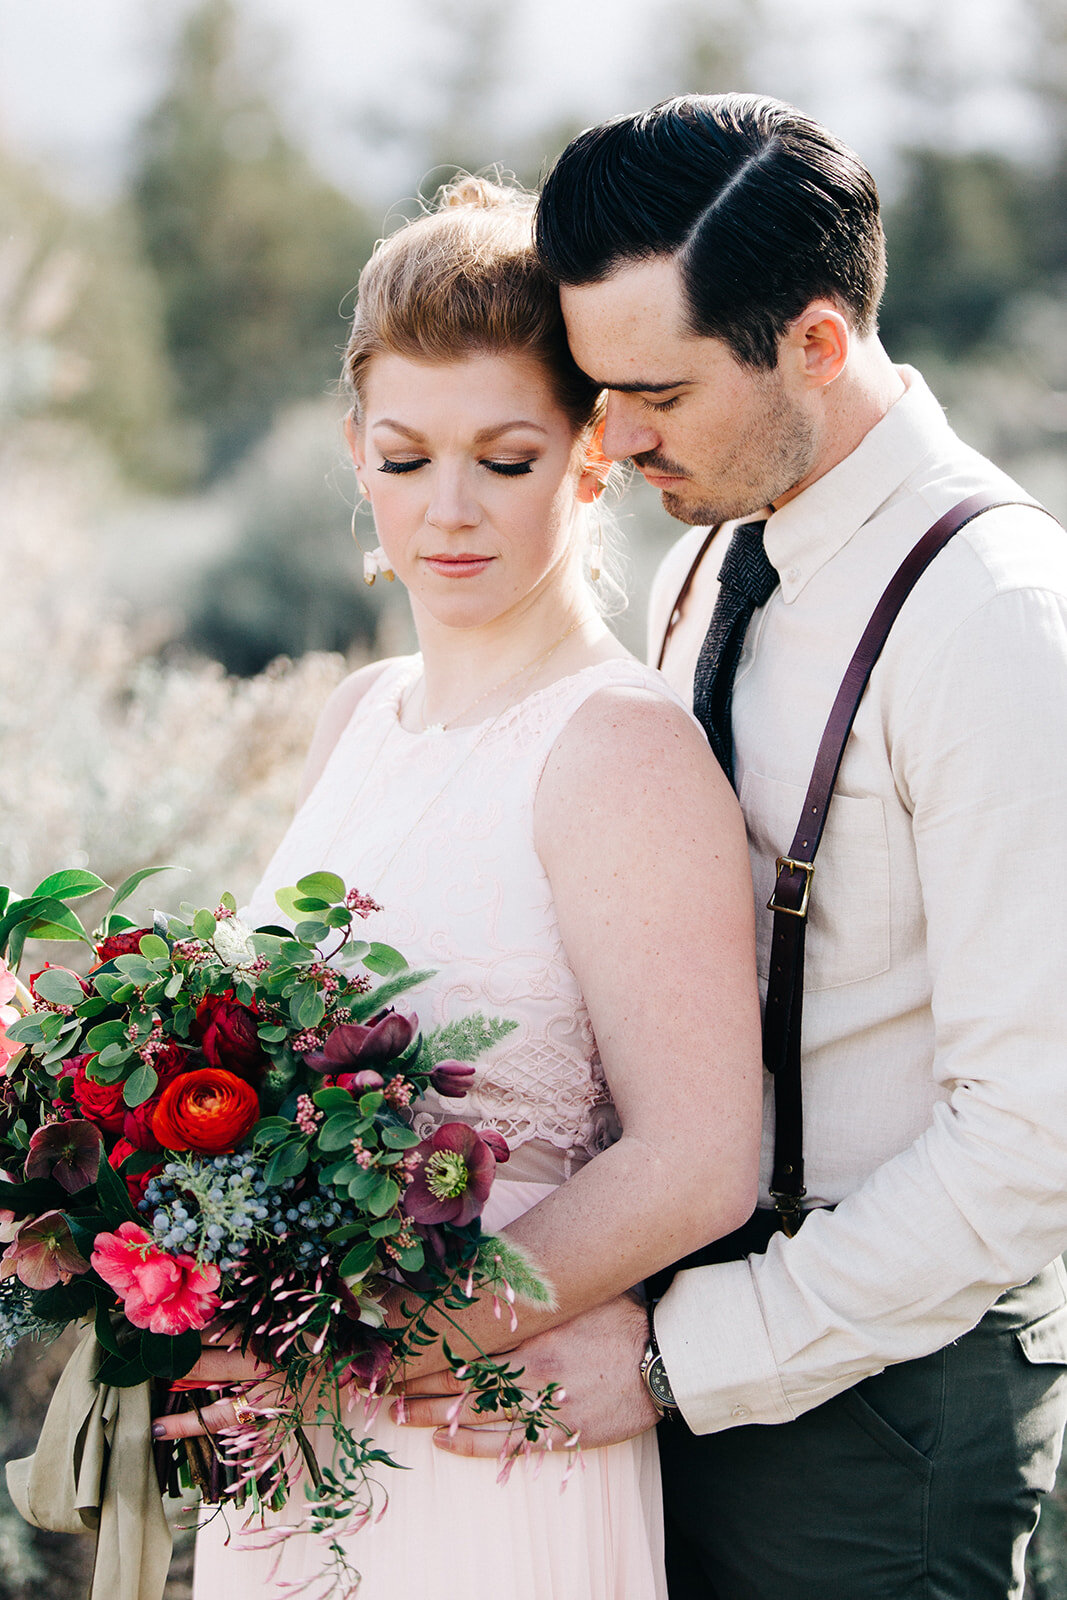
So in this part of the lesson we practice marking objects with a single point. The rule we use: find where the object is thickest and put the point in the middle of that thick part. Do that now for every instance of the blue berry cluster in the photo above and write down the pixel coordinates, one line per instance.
(214, 1207)
(17, 1318)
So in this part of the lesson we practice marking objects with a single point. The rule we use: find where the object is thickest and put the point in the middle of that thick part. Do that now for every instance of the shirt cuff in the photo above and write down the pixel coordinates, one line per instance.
(715, 1347)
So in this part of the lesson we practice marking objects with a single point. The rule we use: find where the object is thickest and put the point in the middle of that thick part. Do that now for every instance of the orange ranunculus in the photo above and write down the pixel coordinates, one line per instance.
(209, 1109)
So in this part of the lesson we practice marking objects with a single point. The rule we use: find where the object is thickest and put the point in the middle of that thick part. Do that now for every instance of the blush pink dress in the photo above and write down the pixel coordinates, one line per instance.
(438, 827)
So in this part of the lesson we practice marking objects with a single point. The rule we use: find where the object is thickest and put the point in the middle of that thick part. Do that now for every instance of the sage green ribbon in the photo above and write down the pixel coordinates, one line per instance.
(93, 1469)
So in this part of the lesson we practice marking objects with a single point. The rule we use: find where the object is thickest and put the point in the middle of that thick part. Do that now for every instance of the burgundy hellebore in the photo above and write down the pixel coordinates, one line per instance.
(452, 1078)
(352, 1043)
(69, 1152)
(453, 1177)
(43, 1253)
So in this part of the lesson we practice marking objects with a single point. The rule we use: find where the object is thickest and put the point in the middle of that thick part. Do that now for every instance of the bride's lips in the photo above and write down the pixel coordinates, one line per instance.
(463, 565)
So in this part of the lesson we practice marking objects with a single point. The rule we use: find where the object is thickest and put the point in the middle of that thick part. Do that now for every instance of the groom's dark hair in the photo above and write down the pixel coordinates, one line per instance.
(765, 209)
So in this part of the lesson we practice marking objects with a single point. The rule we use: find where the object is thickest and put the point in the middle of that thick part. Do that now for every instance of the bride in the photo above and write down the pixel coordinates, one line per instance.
(545, 826)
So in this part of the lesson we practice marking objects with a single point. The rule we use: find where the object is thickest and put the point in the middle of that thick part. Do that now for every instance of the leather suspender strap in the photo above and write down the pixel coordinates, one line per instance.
(683, 593)
(792, 889)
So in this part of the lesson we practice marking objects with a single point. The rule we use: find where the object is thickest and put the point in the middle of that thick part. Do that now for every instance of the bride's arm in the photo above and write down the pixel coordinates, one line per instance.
(643, 843)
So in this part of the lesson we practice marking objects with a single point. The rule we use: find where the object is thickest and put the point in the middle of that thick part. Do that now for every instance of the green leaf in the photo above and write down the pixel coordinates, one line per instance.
(359, 1259)
(287, 901)
(105, 1333)
(340, 1129)
(113, 1195)
(383, 1197)
(105, 1033)
(110, 1062)
(334, 1099)
(137, 969)
(399, 1138)
(413, 1257)
(227, 901)
(384, 1228)
(307, 904)
(204, 925)
(51, 1025)
(349, 1230)
(27, 1030)
(272, 1033)
(311, 1008)
(128, 885)
(338, 917)
(310, 933)
(140, 1085)
(322, 886)
(466, 1039)
(363, 1184)
(60, 1050)
(173, 986)
(122, 1372)
(368, 1005)
(384, 960)
(170, 1355)
(70, 884)
(59, 987)
(286, 1162)
(371, 1102)
(153, 946)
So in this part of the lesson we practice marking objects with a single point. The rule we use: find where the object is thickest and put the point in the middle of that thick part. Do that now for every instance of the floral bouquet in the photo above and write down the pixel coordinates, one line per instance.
(211, 1127)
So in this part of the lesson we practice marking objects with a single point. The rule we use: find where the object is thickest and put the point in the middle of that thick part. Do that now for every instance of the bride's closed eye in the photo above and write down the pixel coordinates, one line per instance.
(503, 469)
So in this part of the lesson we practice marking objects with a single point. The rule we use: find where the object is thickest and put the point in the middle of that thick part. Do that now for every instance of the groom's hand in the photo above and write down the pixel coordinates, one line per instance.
(595, 1359)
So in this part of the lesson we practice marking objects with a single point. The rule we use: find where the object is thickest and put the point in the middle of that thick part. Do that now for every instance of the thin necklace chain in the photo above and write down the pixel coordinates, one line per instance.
(483, 733)
(495, 688)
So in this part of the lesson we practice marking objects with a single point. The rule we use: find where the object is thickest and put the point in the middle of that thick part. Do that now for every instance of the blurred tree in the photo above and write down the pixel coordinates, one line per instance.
(254, 251)
(81, 336)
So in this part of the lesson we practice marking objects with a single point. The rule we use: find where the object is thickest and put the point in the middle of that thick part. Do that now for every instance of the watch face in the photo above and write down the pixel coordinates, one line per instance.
(658, 1383)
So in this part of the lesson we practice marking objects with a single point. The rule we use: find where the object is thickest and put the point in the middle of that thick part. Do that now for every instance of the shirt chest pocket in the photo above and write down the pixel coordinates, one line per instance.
(848, 917)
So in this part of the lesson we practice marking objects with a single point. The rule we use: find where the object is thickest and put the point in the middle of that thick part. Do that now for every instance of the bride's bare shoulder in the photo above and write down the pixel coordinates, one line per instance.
(334, 719)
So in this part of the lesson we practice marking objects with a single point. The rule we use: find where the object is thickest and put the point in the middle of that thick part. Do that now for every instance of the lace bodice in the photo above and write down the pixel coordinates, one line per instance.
(438, 827)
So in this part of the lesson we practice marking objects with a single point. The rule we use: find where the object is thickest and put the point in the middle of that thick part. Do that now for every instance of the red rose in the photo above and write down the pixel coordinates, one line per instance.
(101, 1103)
(228, 1035)
(127, 943)
(209, 1109)
(136, 1125)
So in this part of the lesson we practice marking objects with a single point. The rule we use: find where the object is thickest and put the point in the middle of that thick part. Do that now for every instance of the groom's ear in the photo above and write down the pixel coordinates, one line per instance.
(816, 344)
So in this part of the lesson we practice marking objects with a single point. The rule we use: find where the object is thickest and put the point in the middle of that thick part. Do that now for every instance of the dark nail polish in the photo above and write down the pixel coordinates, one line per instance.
(158, 1430)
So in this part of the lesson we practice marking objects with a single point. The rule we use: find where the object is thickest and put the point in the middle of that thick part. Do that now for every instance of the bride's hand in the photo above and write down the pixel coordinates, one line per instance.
(595, 1358)
(221, 1364)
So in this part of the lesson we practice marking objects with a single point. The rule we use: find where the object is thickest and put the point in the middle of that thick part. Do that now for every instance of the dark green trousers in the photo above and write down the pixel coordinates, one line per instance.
(922, 1483)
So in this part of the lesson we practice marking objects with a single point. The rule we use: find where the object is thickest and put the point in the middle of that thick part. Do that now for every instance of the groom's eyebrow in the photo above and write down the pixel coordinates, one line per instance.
(641, 388)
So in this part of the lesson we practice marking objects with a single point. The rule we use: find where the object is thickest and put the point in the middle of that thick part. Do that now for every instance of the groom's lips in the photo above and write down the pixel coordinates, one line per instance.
(660, 480)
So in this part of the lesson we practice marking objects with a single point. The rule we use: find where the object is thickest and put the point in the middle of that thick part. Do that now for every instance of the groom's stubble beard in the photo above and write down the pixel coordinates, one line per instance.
(776, 452)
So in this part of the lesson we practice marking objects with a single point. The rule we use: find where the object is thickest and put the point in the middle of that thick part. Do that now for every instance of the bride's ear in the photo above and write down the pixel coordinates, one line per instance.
(354, 435)
(596, 468)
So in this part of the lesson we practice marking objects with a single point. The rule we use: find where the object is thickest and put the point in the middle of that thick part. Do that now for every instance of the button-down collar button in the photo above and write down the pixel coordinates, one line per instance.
(740, 1412)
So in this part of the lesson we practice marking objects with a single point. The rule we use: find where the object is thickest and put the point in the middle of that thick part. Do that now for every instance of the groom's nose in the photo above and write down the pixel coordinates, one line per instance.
(628, 430)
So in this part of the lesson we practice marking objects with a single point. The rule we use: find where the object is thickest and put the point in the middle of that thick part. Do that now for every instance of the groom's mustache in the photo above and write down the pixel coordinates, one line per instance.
(652, 462)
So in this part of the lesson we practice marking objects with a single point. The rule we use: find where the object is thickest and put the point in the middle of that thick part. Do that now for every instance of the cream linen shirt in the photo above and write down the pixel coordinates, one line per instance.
(935, 1050)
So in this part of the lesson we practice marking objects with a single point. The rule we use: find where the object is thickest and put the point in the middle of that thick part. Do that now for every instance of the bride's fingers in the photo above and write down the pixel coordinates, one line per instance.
(209, 1419)
(431, 1383)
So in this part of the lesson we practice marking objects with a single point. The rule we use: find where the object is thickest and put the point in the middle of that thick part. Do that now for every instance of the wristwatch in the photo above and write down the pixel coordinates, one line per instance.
(655, 1376)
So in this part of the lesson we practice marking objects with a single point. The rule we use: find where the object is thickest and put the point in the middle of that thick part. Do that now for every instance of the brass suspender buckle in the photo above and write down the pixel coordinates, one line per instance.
(786, 863)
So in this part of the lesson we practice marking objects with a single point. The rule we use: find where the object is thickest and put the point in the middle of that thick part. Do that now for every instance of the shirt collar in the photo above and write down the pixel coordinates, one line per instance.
(803, 535)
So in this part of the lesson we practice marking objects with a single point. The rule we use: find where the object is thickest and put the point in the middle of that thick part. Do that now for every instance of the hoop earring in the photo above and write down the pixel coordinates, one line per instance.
(596, 555)
(374, 561)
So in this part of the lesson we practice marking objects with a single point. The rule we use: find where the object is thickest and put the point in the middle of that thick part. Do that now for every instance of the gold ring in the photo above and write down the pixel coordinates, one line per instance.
(243, 1413)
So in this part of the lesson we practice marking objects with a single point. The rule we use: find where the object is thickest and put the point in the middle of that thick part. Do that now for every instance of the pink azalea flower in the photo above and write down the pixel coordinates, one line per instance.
(160, 1292)
(8, 1015)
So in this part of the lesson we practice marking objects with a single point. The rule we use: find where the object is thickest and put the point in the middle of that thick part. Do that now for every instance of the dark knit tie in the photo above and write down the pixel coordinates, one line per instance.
(746, 580)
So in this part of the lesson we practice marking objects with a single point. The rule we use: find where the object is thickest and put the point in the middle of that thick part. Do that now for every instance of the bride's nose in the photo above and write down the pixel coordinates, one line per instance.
(452, 505)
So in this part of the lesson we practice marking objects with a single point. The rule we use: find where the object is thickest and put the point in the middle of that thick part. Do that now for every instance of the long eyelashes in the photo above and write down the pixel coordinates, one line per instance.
(503, 469)
(661, 405)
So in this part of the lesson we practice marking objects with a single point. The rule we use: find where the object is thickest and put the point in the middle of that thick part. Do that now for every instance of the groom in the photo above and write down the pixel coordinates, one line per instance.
(873, 1407)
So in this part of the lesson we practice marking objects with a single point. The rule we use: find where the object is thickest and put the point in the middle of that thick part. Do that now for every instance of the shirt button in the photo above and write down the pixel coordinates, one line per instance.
(740, 1411)
(793, 574)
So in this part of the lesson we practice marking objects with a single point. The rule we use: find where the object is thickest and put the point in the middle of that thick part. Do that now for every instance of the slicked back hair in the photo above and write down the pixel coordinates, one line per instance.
(764, 209)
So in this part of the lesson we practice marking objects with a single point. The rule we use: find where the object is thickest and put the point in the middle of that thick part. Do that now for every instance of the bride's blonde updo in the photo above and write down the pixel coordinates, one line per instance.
(463, 280)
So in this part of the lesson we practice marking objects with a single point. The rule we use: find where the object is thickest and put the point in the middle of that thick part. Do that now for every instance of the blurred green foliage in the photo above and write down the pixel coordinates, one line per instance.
(254, 253)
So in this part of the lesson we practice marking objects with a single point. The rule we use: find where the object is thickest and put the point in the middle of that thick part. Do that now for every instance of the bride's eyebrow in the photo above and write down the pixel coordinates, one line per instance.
(484, 436)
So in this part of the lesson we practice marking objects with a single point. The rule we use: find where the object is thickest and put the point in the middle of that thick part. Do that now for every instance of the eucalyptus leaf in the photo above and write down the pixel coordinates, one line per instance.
(399, 1138)
(153, 946)
(310, 932)
(140, 1085)
(311, 1008)
(383, 1197)
(59, 987)
(359, 1259)
(286, 1162)
(383, 960)
(322, 885)
(339, 1130)
(105, 1033)
(110, 1062)
(204, 925)
(27, 1030)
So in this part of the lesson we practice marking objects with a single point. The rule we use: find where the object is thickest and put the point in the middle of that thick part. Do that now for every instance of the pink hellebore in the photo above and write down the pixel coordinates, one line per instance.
(43, 1253)
(163, 1293)
(452, 1078)
(453, 1177)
